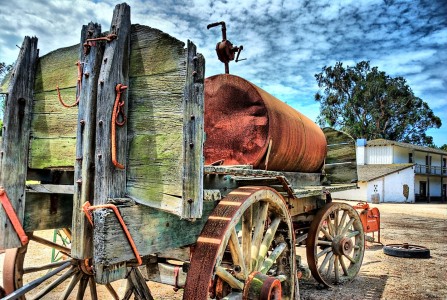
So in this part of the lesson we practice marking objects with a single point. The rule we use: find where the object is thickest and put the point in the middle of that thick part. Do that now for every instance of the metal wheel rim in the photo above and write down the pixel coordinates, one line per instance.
(335, 252)
(216, 253)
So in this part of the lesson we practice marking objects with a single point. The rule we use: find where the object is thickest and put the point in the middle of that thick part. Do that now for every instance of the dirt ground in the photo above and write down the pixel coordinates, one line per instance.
(381, 276)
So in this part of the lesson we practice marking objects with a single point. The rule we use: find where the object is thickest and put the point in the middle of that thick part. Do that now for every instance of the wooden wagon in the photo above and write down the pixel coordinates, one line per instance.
(103, 141)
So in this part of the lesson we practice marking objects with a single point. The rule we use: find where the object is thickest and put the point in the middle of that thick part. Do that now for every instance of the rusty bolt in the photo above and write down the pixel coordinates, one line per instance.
(193, 117)
(194, 73)
(100, 122)
(82, 122)
(191, 145)
(79, 181)
(194, 58)
(79, 158)
(99, 155)
(101, 82)
(2, 191)
(86, 74)
(190, 201)
(105, 60)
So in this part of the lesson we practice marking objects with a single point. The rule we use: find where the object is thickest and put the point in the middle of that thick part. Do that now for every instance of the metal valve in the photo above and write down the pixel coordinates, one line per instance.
(225, 49)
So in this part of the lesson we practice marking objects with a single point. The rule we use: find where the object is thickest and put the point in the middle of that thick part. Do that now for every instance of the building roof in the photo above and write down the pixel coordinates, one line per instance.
(371, 172)
(383, 142)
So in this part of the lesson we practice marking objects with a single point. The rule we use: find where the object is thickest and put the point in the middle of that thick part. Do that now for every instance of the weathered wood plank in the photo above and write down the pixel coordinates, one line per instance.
(47, 211)
(16, 134)
(50, 188)
(152, 230)
(340, 164)
(156, 114)
(193, 131)
(52, 124)
(110, 181)
(85, 143)
(52, 153)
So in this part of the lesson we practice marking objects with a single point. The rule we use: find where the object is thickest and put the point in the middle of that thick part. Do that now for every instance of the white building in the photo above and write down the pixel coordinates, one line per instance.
(386, 169)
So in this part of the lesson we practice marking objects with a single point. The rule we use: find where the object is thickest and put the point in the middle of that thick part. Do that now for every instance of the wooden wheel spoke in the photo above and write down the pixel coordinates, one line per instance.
(350, 258)
(326, 243)
(74, 280)
(336, 225)
(343, 266)
(45, 267)
(228, 278)
(352, 234)
(247, 227)
(82, 287)
(272, 258)
(331, 265)
(267, 241)
(92, 285)
(327, 234)
(50, 244)
(330, 226)
(345, 229)
(55, 283)
(336, 269)
(325, 261)
(112, 292)
(326, 250)
(343, 219)
(236, 254)
(258, 233)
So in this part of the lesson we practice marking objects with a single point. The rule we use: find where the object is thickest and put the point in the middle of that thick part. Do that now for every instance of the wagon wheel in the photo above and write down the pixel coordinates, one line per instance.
(246, 250)
(335, 244)
(39, 281)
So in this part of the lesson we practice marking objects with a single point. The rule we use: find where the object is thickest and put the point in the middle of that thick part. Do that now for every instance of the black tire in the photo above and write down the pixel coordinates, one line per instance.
(406, 251)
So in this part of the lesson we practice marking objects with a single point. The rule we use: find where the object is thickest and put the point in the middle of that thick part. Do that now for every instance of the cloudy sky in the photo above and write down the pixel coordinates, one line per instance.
(285, 42)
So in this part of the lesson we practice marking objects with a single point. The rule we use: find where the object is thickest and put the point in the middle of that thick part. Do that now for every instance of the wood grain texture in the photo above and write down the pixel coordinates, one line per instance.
(156, 119)
(15, 141)
(85, 142)
(53, 127)
(153, 231)
(193, 131)
(340, 165)
(110, 181)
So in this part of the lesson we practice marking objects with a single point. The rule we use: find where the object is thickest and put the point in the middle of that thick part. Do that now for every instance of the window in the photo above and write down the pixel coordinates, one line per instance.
(444, 165)
(410, 158)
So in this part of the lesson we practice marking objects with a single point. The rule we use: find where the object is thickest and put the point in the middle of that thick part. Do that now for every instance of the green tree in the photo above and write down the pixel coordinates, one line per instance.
(443, 147)
(367, 103)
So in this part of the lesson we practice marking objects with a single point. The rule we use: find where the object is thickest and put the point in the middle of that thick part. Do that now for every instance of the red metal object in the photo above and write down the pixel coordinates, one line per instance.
(370, 218)
(246, 125)
(117, 111)
(13, 218)
(87, 208)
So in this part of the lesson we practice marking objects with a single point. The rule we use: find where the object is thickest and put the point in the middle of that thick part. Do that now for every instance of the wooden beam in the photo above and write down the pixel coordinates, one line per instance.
(110, 181)
(193, 132)
(153, 231)
(16, 135)
(85, 142)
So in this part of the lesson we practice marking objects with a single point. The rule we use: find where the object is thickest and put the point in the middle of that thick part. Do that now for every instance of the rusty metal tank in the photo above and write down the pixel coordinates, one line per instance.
(245, 125)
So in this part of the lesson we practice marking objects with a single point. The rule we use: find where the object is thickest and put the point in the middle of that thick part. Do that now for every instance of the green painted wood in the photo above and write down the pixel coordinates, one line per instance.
(109, 181)
(85, 143)
(153, 231)
(15, 140)
(47, 211)
(52, 124)
(156, 119)
(340, 164)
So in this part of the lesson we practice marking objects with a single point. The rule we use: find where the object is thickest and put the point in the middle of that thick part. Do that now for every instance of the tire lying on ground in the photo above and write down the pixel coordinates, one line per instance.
(406, 250)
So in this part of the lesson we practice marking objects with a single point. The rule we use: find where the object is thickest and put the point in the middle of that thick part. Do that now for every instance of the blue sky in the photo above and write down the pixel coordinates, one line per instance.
(285, 42)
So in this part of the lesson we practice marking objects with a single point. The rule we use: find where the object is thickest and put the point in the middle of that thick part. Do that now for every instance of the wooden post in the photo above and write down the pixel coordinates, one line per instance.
(110, 181)
(16, 135)
(193, 134)
(85, 147)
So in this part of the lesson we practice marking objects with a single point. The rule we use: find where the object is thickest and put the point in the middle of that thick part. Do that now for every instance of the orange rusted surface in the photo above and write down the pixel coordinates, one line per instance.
(246, 125)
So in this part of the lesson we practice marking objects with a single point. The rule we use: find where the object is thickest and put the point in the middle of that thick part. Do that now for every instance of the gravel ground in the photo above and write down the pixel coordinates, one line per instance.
(381, 276)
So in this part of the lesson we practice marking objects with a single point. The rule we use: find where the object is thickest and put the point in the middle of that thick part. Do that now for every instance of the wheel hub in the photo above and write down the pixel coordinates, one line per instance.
(342, 245)
(261, 286)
